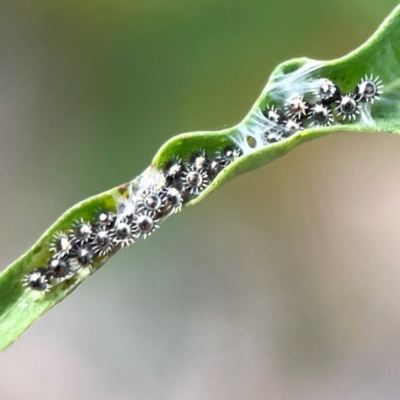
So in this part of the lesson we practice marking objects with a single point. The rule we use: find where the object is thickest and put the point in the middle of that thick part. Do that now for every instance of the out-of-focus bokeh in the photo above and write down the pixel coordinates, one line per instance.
(284, 284)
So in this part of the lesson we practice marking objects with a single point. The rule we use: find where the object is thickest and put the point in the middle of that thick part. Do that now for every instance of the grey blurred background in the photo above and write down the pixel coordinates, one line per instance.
(284, 284)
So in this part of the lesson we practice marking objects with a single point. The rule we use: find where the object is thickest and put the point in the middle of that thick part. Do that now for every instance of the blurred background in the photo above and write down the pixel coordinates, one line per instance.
(283, 284)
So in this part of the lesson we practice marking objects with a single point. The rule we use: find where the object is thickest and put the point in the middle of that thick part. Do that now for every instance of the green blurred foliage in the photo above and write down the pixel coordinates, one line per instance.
(91, 89)
(117, 78)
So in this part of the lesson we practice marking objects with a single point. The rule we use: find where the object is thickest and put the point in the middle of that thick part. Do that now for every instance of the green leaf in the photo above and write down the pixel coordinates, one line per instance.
(20, 306)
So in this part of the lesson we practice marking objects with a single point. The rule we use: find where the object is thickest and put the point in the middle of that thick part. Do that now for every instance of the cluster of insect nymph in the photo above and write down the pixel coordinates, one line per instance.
(162, 193)
(330, 105)
(76, 249)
